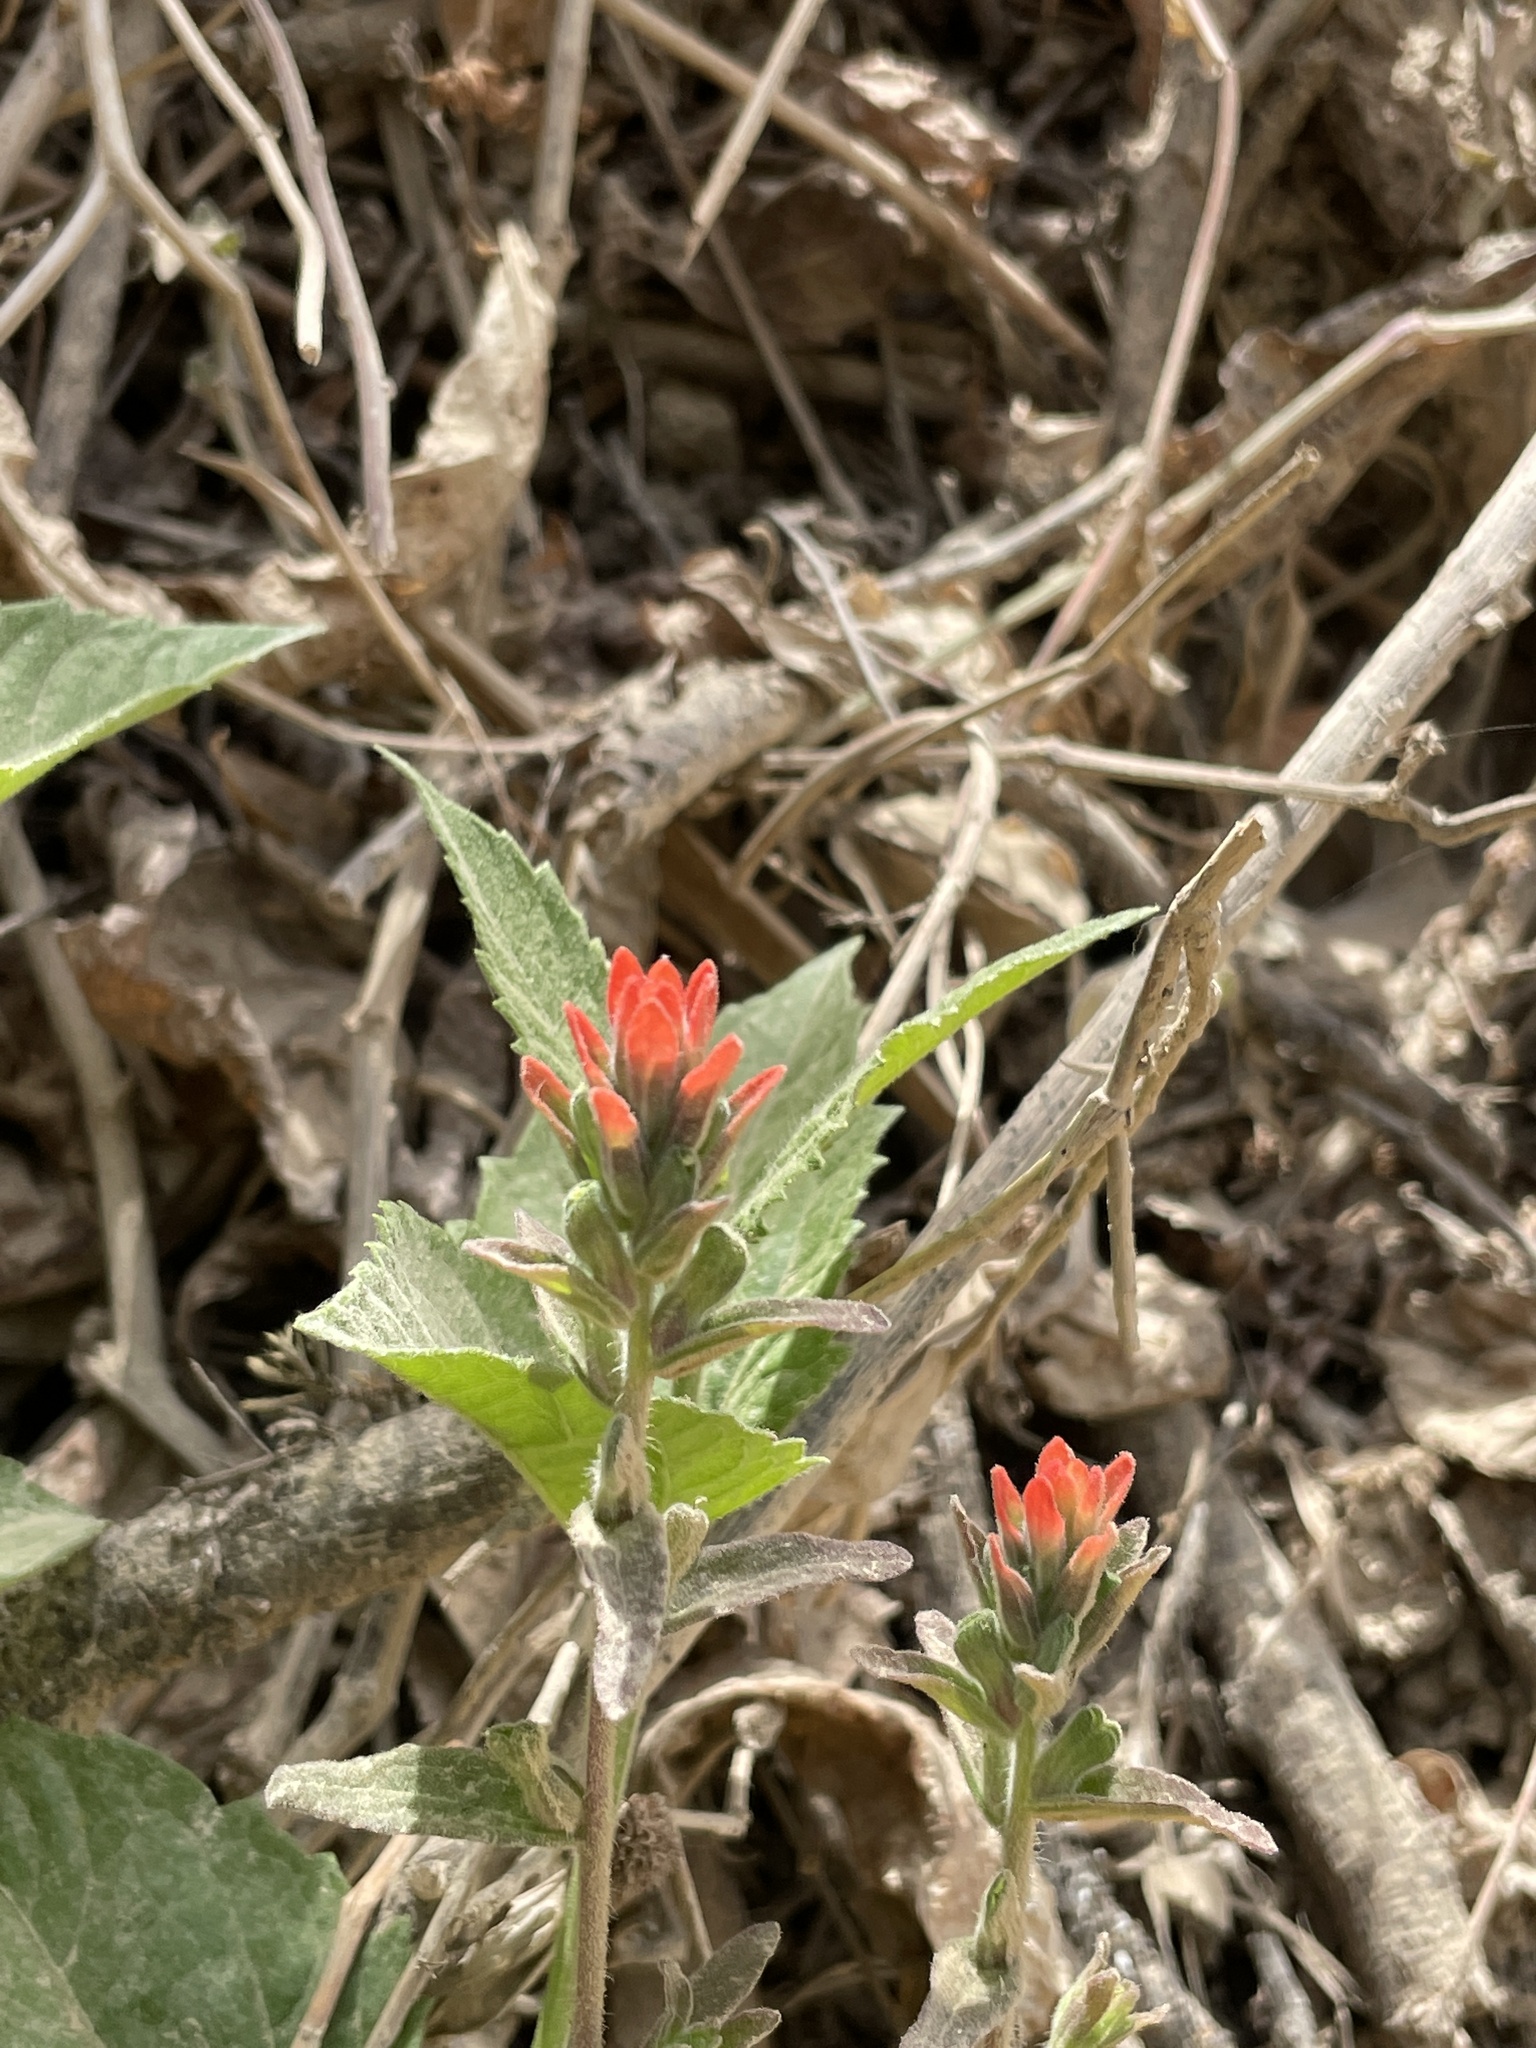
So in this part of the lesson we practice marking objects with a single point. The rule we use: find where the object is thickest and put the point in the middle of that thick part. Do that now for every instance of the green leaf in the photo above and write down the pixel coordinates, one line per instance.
(811, 1021)
(534, 1177)
(627, 1566)
(730, 1576)
(1155, 1796)
(901, 1049)
(417, 1790)
(534, 950)
(69, 678)
(965, 2001)
(546, 1788)
(468, 1334)
(1088, 1742)
(36, 1530)
(136, 1912)
(910, 1042)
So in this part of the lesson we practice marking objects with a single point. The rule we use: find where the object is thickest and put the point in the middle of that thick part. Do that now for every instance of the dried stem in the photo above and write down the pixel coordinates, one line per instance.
(751, 121)
(565, 81)
(372, 383)
(309, 309)
(133, 1369)
(1003, 277)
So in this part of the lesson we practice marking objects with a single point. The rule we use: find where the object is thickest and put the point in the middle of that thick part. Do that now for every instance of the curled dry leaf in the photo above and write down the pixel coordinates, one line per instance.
(1461, 1374)
(42, 555)
(1027, 884)
(453, 499)
(906, 107)
(1384, 1569)
(195, 979)
(724, 714)
(820, 249)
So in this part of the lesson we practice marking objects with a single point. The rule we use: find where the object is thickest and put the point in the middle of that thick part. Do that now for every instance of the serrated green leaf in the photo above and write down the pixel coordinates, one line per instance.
(534, 950)
(1154, 1797)
(811, 1021)
(135, 1911)
(416, 1790)
(414, 1292)
(466, 1333)
(901, 1049)
(36, 1530)
(69, 678)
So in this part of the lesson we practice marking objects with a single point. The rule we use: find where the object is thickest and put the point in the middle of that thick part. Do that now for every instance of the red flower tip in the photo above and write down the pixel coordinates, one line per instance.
(751, 1095)
(1118, 1474)
(1007, 1506)
(544, 1087)
(615, 1120)
(1043, 1519)
(701, 1004)
(626, 978)
(665, 986)
(712, 1072)
(652, 1039)
(591, 1046)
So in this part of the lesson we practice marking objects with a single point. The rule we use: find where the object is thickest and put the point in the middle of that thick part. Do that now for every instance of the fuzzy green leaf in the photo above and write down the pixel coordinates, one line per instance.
(627, 1567)
(731, 1576)
(1154, 1797)
(546, 1788)
(68, 678)
(416, 1790)
(534, 949)
(36, 1530)
(901, 1049)
(468, 1334)
(811, 1021)
(135, 1911)
(965, 2001)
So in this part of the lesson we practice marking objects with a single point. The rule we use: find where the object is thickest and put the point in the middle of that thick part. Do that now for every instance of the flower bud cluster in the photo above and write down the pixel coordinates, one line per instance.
(1055, 1579)
(650, 1134)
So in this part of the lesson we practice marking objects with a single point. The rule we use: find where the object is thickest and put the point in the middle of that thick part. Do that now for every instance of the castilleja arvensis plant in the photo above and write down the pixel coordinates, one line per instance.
(624, 1364)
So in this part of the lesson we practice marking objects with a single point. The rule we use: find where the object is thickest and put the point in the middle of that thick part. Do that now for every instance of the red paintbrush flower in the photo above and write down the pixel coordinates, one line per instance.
(1059, 1533)
(658, 1066)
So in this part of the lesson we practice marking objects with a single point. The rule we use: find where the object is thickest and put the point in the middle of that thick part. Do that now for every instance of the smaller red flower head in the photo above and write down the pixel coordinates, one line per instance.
(659, 1084)
(1059, 1533)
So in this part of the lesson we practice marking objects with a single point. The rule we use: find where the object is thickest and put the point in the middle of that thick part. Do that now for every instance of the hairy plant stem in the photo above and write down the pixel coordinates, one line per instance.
(594, 1877)
(600, 1803)
(1019, 1830)
(635, 1399)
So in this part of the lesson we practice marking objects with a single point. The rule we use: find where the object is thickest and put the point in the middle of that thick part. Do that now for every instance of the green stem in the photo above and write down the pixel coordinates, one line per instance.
(594, 1878)
(635, 1399)
(600, 1801)
(1019, 1830)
